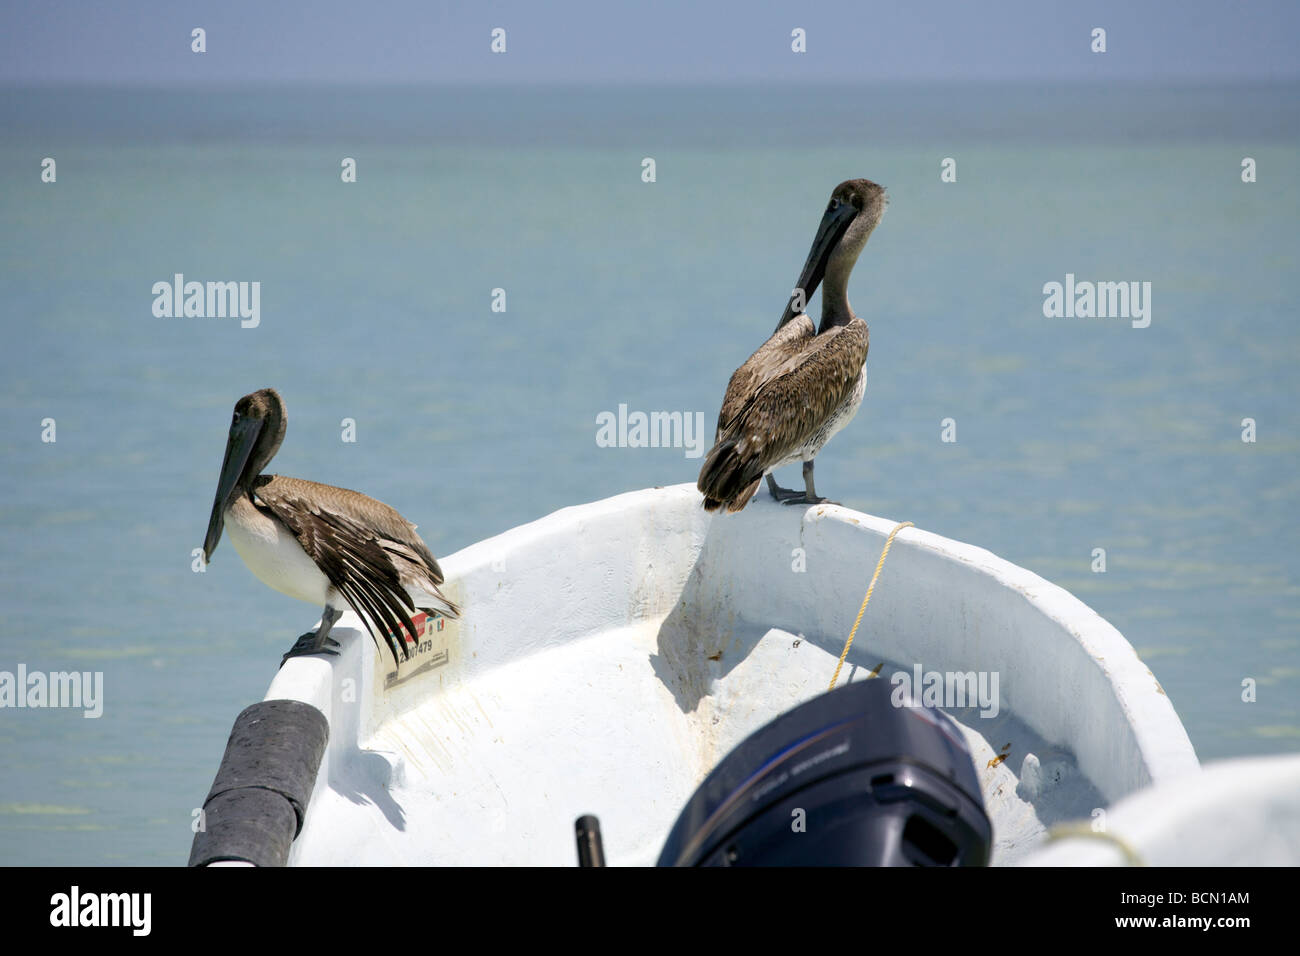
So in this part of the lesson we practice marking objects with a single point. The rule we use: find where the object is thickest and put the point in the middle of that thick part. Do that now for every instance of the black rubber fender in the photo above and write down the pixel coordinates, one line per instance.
(259, 798)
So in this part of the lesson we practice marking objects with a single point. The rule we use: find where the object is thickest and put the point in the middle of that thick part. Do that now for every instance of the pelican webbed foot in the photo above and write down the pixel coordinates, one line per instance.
(782, 494)
(808, 496)
(802, 498)
(307, 645)
(318, 641)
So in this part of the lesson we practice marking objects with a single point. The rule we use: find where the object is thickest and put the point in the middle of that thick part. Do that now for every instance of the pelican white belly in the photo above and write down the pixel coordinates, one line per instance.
(273, 553)
(839, 418)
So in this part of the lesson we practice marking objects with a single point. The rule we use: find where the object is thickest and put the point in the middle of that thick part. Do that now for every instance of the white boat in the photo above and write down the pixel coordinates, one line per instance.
(1242, 812)
(611, 654)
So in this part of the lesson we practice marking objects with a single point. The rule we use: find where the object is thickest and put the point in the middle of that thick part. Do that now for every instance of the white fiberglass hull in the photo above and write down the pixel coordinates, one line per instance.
(610, 654)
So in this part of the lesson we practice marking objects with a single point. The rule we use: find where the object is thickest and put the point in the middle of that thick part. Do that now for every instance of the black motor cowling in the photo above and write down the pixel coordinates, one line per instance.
(847, 779)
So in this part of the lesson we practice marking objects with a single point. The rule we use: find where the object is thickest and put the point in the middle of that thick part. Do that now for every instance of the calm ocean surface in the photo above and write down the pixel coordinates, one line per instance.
(1072, 434)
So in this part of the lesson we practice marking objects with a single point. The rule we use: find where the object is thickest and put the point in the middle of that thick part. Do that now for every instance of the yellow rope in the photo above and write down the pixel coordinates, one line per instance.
(1065, 831)
(1062, 831)
(889, 542)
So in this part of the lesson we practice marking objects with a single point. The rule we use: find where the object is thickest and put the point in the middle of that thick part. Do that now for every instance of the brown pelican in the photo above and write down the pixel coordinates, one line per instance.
(318, 543)
(801, 386)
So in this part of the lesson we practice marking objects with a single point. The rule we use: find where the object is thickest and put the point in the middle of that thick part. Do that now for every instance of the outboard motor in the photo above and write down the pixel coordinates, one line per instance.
(846, 779)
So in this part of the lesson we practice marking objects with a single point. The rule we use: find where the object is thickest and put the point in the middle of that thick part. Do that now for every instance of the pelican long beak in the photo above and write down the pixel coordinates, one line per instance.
(240, 445)
(833, 226)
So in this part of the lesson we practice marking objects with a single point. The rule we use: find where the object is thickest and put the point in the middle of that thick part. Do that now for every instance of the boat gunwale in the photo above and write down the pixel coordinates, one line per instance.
(1160, 740)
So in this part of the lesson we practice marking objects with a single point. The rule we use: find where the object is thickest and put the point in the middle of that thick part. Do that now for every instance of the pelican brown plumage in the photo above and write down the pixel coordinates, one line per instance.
(330, 546)
(803, 384)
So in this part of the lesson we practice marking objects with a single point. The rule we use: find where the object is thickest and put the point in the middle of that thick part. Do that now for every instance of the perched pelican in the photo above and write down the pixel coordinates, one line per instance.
(318, 543)
(801, 386)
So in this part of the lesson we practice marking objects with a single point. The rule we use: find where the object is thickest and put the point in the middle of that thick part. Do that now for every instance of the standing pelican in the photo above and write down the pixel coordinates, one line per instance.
(318, 543)
(801, 386)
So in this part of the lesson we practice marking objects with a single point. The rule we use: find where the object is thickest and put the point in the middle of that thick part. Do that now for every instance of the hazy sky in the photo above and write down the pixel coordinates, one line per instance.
(606, 41)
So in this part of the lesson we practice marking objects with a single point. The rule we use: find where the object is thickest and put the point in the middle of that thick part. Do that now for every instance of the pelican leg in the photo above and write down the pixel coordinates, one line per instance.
(318, 641)
(809, 496)
(779, 493)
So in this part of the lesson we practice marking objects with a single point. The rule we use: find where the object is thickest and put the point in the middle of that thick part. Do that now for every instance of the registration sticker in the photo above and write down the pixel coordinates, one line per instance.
(429, 649)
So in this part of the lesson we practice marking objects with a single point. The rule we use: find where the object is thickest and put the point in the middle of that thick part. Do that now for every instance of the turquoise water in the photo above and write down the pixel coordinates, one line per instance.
(1072, 434)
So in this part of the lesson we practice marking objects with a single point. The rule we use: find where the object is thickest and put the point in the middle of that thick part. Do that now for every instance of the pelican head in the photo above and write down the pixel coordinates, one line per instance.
(854, 210)
(256, 431)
